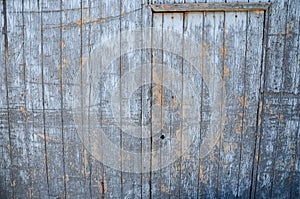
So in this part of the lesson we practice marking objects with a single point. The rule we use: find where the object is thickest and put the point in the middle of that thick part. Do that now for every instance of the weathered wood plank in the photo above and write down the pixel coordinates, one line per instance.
(234, 70)
(272, 123)
(16, 101)
(296, 177)
(285, 152)
(36, 157)
(190, 165)
(172, 176)
(250, 100)
(113, 177)
(105, 181)
(198, 7)
(130, 108)
(290, 62)
(146, 106)
(288, 118)
(212, 62)
(77, 180)
(91, 171)
(5, 173)
(288, 124)
(276, 43)
(157, 188)
(52, 104)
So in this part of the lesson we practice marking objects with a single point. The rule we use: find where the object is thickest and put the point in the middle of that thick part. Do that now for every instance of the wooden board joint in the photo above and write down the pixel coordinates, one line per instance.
(210, 7)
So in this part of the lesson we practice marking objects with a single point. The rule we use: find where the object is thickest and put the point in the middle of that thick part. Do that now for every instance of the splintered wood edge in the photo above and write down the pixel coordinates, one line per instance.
(209, 7)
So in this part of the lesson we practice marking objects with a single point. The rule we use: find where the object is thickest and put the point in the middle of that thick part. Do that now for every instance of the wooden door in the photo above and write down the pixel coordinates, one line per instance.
(224, 77)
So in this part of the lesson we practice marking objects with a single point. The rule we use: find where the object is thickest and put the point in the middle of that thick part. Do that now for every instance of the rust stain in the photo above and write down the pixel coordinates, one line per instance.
(62, 44)
(83, 60)
(123, 68)
(223, 51)
(158, 89)
(47, 138)
(258, 12)
(156, 78)
(83, 21)
(24, 73)
(226, 71)
(290, 25)
(239, 123)
(205, 48)
(64, 28)
(23, 110)
(244, 101)
(66, 62)
(165, 189)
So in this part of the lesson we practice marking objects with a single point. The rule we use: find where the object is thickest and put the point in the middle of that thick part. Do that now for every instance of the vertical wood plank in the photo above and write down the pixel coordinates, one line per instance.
(73, 47)
(276, 32)
(235, 46)
(283, 168)
(105, 181)
(91, 170)
(5, 173)
(52, 96)
(156, 186)
(287, 133)
(36, 156)
(250, 100)
(213, 55)
(16, 99)
(272, 125)
(296, 188)
(113, 177)
(131, 181)
(172, 176)
(170, 182)
(190, 178)
(290, 62)
(146, 105)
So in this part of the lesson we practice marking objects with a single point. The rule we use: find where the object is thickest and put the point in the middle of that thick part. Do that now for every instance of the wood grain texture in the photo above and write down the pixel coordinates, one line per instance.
(250, 101)
(44, 45)
(277, 138)
(131, 182)
(157, 188)
(193, 28)
(212, 46)
(6, 177)
(237, 7)
(146, 56)
(235, 43)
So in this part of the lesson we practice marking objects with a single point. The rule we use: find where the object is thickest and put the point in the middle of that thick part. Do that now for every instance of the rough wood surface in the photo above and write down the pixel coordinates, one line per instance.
(254, 44)
(197, 7)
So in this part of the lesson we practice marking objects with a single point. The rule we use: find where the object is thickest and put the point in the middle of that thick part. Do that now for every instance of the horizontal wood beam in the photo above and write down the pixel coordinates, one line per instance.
(209, 7)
